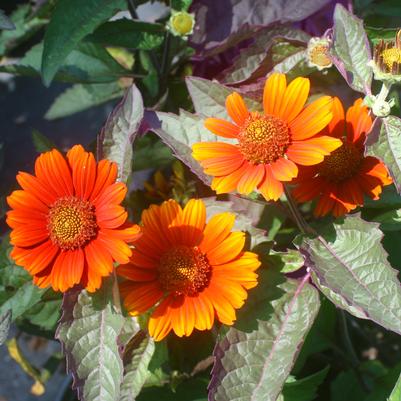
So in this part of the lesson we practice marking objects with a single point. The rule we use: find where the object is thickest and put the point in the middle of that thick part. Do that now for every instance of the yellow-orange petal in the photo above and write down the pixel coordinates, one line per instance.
(312, 151)
(273, 93)
(171, 217)
(194, 220)
(312, 119)
(182, 316)
(139, 297)
(236, 108)
(251, 178)
(118, 249)
(216, 231)
(222, 127)
(204, 317)
(336, 126)
(224, 309)
(270, 188)
(284, 169)
(160, 321)
(295, 97)
(228, 183)
(227, 250)
(219, 166)
(208, 150)
(135, 273)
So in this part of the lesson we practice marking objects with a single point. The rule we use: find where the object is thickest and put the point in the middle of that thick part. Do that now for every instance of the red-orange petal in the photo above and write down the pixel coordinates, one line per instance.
(139, 297)
(270, 188)
(160, 320)
(284, 169)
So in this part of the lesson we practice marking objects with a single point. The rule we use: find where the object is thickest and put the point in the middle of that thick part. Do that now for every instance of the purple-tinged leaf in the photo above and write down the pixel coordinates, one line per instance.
(254, 358)
(351, 265)
(224, 23)
(5, 322)
(351, 50)
(121, 128)
(254, 61)
(88, 332)
(384, 143)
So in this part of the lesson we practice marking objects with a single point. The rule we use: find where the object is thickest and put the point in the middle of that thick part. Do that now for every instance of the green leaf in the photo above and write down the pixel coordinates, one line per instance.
(137, 354)
(151, 153)
(209, 97)
(351, 50)
(5, 22)
(41, 142)
(287, 262)
(82, 97)
(384, 383)
(130, 34)
(387, 146)
(5, 323)
(346, 386)
(23, 299)
(264, 343)
(88, 63)
(179, 5)
(120, 130)
(25, 27)
(304, 389)
(88, 332)
(390, 220)
(396, 393)
(350, 261)
(71, 21)
(180, 132)
(254, 59)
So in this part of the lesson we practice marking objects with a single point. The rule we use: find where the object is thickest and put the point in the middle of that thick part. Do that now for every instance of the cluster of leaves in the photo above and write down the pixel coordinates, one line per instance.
(325, 303)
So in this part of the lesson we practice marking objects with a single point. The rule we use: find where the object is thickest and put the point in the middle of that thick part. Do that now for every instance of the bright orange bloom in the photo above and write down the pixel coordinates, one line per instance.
(67, 223)
(270, 145)
(190, 269)
(340, 182)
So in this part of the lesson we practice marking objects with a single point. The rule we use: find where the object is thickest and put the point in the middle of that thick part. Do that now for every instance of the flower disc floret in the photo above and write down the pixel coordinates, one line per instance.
(263, 139)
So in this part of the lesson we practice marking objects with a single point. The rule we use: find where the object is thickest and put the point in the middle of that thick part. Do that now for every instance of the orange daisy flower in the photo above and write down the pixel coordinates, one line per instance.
(270, 145)
(67, 223)
(192, 270)
(341, 180)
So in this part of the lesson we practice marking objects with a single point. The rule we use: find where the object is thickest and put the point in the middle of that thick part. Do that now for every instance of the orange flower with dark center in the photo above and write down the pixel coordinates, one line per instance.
(341, 180)
(270, 145)
(67, 223)
(192, 271)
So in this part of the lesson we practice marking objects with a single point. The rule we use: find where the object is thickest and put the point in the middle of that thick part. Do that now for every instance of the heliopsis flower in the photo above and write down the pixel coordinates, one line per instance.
(266, 148)
(67, 223)
(192, 271)
(341, 180)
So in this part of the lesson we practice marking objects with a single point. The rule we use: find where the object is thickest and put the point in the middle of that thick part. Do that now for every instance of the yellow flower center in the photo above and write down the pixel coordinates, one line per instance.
(391, 56)
(71, 222)
(184, 270)
(318, 55)
(263, 139)
(341, 164)
(182, 23)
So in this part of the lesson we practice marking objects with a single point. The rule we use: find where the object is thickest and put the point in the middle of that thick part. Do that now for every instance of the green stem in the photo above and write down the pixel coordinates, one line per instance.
(300, 221)
(384, 91)
(347, 340)
(166, 50)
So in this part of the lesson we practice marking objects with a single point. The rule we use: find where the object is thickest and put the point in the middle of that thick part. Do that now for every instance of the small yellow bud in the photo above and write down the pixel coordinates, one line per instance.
(181, 23)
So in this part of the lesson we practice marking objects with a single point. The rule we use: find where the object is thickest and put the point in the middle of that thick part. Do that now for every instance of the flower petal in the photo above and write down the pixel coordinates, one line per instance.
(294, 99)
(270, 188)
(284, 169)
(251, 178)
(273, 93)
(221, 127)
(312, 119)
(194, 220)
(139, 297)
(236, 108)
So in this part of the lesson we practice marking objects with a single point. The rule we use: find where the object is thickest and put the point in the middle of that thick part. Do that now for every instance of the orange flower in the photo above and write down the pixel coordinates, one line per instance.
(67, 223)
(270, 145)
(195, 270)
(340, 182)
